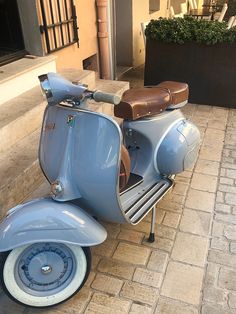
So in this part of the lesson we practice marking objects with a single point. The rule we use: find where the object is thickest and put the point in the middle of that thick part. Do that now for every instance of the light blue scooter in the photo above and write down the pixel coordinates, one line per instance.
(97, 169)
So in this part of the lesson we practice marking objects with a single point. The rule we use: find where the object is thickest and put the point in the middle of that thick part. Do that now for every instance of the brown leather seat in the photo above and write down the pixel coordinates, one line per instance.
(124, 168)
(179, 92)
(140, 102)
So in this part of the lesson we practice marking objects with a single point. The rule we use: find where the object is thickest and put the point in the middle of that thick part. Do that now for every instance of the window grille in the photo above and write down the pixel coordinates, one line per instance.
(59, 24)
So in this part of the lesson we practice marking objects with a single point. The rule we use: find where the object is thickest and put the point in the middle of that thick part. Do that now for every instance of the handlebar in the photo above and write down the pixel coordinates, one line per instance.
(106, 97)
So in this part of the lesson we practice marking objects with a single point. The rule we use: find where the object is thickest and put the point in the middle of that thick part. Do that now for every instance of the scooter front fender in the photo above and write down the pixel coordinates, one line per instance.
(45, 220)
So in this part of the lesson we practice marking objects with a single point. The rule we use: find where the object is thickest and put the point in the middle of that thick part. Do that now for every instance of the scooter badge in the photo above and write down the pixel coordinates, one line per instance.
(71, 120)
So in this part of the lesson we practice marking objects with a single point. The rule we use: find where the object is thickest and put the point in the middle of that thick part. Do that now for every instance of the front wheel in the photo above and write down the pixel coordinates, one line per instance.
(44, 274)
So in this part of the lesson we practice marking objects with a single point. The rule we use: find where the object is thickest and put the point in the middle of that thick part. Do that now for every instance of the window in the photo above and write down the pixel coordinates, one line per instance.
(59, 24)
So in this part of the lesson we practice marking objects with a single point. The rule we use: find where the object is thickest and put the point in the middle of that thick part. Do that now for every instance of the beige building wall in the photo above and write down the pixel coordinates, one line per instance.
(141, 13)
(73, 56)
(176, 4)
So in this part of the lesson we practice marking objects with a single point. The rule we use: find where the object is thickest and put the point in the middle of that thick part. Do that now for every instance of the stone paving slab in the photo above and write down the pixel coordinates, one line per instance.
(190, 268)
(220, 278)
(183, 282)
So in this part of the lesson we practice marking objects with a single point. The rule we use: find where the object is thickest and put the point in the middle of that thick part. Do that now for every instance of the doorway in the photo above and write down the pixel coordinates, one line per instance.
(11, 41)
(124, 36)
(120, 37)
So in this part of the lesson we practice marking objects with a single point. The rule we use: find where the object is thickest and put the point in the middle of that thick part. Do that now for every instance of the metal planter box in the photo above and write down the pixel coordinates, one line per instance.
(210, 71)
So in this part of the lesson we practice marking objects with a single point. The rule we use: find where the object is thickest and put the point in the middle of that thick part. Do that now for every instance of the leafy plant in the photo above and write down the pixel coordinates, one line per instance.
(188, 29)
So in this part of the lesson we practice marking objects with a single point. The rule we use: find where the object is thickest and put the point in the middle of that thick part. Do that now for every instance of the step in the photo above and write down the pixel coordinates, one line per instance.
(84, 76)
(19, 167)
(43, 190)
(20, 117)
(142, 199)
(23, 114)
(19, 171)
(113, 87)
(20, 76)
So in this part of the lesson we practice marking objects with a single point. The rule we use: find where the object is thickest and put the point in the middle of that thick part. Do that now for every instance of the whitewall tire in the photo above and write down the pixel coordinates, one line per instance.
(44, 274)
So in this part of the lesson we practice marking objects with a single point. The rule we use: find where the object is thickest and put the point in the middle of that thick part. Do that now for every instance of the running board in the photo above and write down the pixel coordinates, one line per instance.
(147, 200)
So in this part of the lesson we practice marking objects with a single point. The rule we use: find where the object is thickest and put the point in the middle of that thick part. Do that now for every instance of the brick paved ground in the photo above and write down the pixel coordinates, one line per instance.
(191, 266)
(219, 294)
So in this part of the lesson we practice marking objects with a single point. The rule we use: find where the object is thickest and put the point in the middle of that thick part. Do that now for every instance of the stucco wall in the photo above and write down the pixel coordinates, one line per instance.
(72, 56)
(131, 40)
(141, 14)
(176, 4)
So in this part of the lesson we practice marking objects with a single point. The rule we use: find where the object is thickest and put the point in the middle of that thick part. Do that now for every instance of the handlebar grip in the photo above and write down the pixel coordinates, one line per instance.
(106, 97)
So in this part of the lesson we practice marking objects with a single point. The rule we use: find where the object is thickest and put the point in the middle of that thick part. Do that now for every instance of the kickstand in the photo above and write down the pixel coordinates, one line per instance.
(151, 238)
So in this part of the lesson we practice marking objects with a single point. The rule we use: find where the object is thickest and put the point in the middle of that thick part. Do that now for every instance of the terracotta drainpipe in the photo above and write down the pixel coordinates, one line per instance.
(103, 39)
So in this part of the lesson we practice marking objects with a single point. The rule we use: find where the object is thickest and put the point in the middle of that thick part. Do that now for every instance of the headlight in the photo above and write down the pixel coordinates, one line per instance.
(45, 86)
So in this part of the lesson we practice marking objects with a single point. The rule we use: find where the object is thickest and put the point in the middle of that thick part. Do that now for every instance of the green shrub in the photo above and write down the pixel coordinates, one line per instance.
(182, 30)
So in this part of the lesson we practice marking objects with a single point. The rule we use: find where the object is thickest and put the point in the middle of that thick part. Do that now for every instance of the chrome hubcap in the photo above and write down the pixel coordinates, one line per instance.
(46, 269)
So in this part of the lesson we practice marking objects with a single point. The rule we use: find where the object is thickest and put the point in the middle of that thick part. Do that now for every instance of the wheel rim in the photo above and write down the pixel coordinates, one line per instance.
(45, 269)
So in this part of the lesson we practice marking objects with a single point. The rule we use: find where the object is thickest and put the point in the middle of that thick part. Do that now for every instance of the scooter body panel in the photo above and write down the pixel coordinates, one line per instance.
(158, 145)
(45, 220)
(80, 155)
(81, 150)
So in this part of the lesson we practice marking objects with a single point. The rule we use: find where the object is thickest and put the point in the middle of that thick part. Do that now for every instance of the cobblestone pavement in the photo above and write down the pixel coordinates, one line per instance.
(191, 266)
